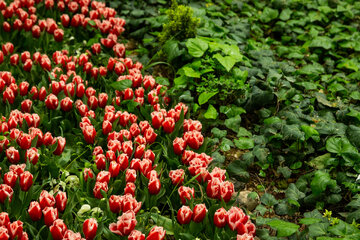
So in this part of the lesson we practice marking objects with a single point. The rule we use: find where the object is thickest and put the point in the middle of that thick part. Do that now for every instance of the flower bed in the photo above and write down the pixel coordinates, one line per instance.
(100, 149)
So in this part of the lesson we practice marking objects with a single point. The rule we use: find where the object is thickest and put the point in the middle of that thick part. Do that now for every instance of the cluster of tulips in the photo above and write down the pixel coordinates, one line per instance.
(124, 141)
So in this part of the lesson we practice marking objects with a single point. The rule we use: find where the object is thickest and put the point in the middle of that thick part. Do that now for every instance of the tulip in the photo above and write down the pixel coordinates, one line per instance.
(16, 229)
(4, 233)
(168, 125)
(157, 119)
(58, 229)
(106, 127)
(154, 186)
(32, 155)
(150, 135)
(100, 186)
(199, 213)
(130, 175)
(103, 176)
(177, 176)
(220, 218)
(24, 141)
(114, 169)
(46, 199)
(4, 219)
(156, 233)
(89, 228)
(50, 215)
(184, 215)
(66, 104)
(129, 203)
(35, 211)
(125, 224)
(136, 235)
(51, 101)
(26, 105)
(186, 193)
(26, 181)
(179, 146)
(115, 203)
(89, 133)
(61, 142)
(10, 178)
(226, 190)
(130, 188)
(61, 200)
(12, 155)
(194, 139)
(100, 161)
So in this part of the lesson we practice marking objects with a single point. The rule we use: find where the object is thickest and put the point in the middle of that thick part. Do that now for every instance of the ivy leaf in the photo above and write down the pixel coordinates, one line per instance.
(268, 14)
(211, 112)
(233, 123)
(227, 62)
(196, 47)
(121, 85)
(284, 229)
(322, 42)
(189, 72)
(309, 221)
(172, 50)
(218, 133)
(205, 96)
(269, 200)
(339, 146)
(320, 181)
(162, 81)
(293, 192)
(244, 143)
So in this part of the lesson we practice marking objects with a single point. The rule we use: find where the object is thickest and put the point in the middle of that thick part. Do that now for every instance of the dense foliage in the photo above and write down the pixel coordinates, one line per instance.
(94, 147)
(277, 84)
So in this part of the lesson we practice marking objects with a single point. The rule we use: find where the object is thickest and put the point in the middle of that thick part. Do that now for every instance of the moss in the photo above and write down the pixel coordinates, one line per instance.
(181, 23)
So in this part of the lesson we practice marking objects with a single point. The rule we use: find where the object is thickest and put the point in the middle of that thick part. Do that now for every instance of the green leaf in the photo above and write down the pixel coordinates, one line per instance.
(350, 64)
(233, 123)
(353, 133)
(165, 222)
(232, 111)
(318, 229)
(293, 192)
(162, 81)
(196, 47)
(309, 221)
(284, 229)
(205, 96)
(268, 14)
(320, 161)
(322, 42)
(227, 62)
(237, 169)
(171, 48)
(189, 72)
(355, 95)
(211, 112)
(310, 132)
(285, 14)
(312, 69)
(218, 133)
(320, 181)
(269, 200)
(121, 85)
(339, 146)
(343, 229)
(244, 143)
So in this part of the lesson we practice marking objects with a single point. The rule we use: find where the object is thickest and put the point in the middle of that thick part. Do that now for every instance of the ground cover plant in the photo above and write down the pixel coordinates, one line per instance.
(92, 146)
(289, 126)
